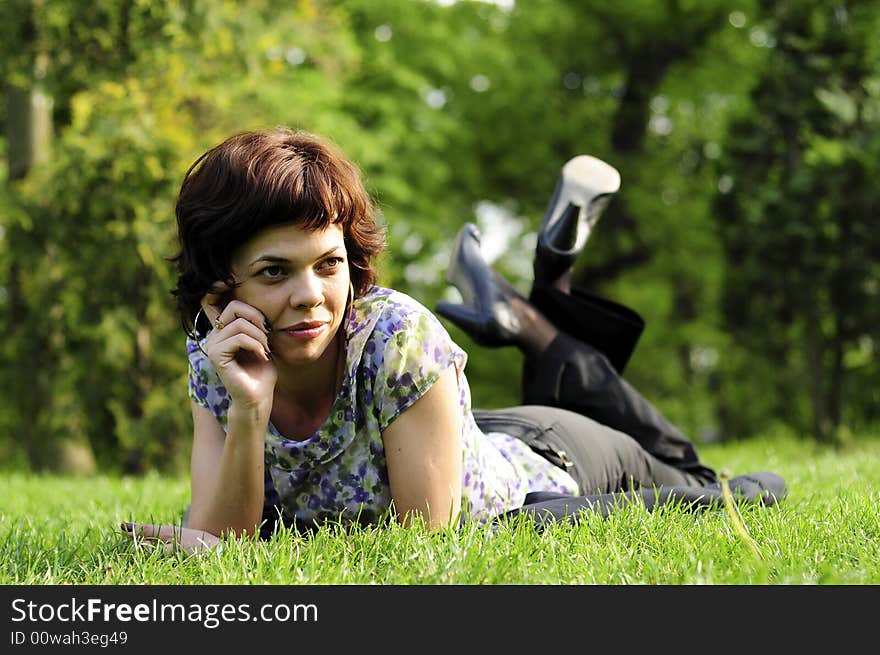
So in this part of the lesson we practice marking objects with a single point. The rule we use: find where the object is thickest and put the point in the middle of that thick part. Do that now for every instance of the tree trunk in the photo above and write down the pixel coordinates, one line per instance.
(816, 376)
(29, 140)
(28, 127)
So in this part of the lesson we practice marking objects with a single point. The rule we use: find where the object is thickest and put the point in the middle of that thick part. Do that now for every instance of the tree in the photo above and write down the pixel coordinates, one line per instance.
(448, 109)
(94, 353)
(798, 211)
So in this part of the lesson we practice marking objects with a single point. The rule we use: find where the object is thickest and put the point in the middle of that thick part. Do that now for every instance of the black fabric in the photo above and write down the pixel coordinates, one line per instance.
(575, 376)
(543, 508)
(581, 372)
(609, 327)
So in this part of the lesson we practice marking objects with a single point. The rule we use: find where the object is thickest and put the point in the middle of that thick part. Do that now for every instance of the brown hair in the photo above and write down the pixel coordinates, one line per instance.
(254, 180)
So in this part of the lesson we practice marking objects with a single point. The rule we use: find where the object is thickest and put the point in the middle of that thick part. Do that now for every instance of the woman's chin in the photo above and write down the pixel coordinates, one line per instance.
(299, 352)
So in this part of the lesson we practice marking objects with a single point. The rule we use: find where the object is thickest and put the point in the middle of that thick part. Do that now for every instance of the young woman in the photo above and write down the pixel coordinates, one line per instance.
(317, 395)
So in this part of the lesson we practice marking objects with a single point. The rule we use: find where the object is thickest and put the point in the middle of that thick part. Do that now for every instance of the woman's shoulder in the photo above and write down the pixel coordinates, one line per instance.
(386, 299)
(404, 352)
(205, 386)
(390, 311)
(194, 351)
(388, 317)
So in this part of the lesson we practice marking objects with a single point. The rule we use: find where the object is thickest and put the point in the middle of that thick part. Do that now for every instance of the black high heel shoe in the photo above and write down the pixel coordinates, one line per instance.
(585, 186)
(486, 314)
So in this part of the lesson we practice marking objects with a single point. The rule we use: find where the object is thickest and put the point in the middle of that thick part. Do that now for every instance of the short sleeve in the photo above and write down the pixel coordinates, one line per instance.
(205, 387)
(417, 352)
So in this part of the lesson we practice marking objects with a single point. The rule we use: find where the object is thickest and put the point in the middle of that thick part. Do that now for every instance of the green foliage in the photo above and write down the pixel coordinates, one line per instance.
(454, 113)
(96, 353)
(798, 213)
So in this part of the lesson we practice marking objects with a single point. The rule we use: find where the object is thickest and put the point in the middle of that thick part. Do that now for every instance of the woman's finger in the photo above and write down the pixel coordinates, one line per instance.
(213, 301)
(222, 316)
(144, 530)
(171, 537)
(235, 344)
(153, 531)
(243, 326)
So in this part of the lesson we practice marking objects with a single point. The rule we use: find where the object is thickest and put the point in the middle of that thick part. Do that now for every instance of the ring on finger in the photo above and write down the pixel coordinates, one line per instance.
(218, 324)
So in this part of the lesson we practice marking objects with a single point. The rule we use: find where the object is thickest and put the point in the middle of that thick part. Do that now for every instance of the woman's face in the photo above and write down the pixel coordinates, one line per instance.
(300, 281)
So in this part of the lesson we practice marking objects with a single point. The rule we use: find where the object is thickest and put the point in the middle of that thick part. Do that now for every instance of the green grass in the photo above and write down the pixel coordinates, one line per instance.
(65, 531)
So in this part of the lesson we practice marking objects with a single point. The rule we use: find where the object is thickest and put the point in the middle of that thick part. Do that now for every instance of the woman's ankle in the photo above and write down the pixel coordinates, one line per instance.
(561, 282)
(536, 332)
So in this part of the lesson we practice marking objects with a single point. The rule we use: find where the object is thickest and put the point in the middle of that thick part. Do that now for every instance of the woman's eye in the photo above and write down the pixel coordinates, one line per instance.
(272, 271)
(331, 263)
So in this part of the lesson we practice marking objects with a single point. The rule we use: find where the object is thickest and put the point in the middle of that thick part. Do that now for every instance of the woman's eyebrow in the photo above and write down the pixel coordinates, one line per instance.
(274, 259)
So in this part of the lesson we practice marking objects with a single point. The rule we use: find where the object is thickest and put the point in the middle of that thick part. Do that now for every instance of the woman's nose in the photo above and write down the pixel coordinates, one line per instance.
(306, 291)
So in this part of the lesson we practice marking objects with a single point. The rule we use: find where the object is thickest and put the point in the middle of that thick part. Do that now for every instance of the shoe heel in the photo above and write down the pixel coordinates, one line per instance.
(583, 190)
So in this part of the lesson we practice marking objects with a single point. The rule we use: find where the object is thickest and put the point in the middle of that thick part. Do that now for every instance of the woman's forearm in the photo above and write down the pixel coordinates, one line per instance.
(235, 500)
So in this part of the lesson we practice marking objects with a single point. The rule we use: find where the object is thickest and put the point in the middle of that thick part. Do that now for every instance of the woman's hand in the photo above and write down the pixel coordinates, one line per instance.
(238, 347)
(171, 537)
(227, 462)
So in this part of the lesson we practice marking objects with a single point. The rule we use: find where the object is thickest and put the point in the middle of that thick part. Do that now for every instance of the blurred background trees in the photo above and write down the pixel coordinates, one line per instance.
(745, 131)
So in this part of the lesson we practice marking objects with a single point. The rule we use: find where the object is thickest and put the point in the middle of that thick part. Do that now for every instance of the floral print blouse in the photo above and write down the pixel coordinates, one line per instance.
(395, 350)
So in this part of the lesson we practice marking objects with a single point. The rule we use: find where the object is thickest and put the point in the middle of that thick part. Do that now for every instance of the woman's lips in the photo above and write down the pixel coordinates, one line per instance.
(305, 330)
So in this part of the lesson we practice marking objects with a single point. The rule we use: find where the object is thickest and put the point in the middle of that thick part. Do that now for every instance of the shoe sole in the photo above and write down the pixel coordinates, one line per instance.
(588, 183)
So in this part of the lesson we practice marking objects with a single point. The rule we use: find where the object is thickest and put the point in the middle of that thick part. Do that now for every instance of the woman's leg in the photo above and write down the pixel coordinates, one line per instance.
(611, 328)
(573, 375)
(611, 469)
(581, 371)
(600, 459)
(561, 368)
